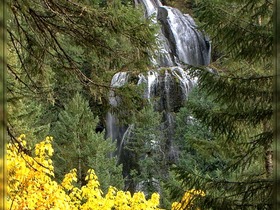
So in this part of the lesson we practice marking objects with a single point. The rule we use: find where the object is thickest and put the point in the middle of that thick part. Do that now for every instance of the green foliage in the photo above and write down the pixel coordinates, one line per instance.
(227, 147)
(111, 38)
(229, 168)
(241, 29)
(129, 96)
(58, 47)
(228, 116)
(146, 148)
(185, 6)
(26, 117)
(196, 143)
(78, 146)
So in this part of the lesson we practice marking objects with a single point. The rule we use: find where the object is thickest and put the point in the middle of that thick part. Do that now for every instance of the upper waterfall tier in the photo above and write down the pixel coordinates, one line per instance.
(150, 6)
(179, 40)
(188, 45)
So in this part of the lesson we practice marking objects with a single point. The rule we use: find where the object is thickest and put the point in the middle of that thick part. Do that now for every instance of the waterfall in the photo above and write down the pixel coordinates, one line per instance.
(118, 80)
(151, 82)
(187, 44)
(186, 82)
(150, 6)
(180, 44)
(114, 130)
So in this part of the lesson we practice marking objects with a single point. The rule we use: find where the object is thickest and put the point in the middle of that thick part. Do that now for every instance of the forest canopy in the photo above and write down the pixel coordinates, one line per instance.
(214, 151)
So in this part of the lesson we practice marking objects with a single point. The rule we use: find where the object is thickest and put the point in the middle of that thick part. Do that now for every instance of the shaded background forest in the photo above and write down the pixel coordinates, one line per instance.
(62, 56)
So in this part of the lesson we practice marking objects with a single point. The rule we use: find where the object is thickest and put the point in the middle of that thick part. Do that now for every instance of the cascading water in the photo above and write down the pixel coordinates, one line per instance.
(180, 44)
(114, 130)
(150, 6)
(186, 82)
(151, 81)
(187, 44)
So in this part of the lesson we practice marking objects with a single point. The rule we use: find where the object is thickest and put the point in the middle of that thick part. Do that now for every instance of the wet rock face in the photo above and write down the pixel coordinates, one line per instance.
(169, 86)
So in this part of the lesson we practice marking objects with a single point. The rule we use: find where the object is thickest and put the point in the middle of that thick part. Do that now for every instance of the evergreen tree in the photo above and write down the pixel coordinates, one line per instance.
(55, 47)
(196, 142)
(145, 147)
(147, 155)
(239, 29)
(235, 106)
(277, 107)
(2, 103)
(77, 145)
(26, 117)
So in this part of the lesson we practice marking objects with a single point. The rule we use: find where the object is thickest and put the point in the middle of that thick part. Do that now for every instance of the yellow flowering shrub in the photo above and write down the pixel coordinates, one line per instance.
(2, 183)
(31, 185)
(187, 199)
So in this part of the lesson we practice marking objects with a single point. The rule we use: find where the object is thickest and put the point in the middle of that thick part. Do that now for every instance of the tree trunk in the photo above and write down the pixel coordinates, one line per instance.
(268, 161)
(268, 153)
(79, 167)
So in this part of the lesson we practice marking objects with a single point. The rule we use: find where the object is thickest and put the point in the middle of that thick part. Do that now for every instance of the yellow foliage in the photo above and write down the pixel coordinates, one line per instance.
(187, 199)
(31, 185)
